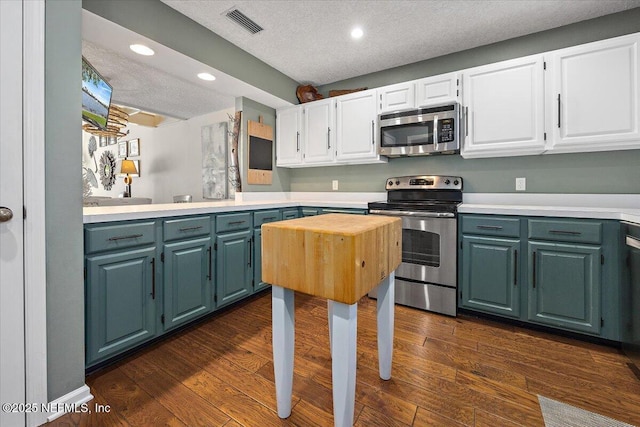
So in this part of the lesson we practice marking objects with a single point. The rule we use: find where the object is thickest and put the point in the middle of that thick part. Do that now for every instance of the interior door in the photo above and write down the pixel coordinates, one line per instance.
(12, 356)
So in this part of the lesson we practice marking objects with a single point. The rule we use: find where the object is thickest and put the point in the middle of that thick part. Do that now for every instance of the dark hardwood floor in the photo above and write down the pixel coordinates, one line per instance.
(446, 372)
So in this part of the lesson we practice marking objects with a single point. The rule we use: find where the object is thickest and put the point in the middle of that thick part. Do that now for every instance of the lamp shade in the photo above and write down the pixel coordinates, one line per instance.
(128, 167)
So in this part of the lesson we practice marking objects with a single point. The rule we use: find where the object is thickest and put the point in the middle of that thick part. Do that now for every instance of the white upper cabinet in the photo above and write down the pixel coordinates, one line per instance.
(319, 132)
(504, 109)
(593, 95)
(437, 90)
(357, 121)
(396, 97)
(288, 136)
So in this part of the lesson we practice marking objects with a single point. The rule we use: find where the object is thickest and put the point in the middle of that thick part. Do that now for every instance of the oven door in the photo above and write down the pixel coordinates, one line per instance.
(429, 250)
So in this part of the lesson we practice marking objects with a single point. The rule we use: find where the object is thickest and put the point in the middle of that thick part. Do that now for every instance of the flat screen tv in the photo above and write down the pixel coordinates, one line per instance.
(96, 96)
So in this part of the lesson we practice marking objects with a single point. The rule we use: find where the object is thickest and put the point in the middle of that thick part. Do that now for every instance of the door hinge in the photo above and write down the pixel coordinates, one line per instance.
(460, 244)
(601, 322)
(545, 136)
(628, 261)
(24, 212)
(253, 282)
(215, 246)
(162, 257)
(215, 298)
(85, 273)
(457, 92)
(460, 294)
(457, 82)
(544, 65)
(162, 319)
(601, 259)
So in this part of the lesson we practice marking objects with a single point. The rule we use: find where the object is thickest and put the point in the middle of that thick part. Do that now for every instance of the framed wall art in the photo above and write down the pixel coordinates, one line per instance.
(122, 150)
(134, 147)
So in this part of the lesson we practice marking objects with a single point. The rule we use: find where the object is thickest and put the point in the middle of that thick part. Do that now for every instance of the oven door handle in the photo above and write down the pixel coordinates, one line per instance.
(410, 213)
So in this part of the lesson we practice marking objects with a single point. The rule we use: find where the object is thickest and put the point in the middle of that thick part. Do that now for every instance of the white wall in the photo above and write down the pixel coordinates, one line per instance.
(170, 159)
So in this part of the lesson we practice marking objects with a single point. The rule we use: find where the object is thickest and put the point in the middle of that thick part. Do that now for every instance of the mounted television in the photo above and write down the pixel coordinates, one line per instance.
(96, 96)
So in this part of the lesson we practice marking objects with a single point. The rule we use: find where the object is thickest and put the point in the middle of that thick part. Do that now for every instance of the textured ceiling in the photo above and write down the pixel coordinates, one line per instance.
(310, 42)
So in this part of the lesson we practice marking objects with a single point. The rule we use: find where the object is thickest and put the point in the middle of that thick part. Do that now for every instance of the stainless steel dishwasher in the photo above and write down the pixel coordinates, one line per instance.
(630, 307)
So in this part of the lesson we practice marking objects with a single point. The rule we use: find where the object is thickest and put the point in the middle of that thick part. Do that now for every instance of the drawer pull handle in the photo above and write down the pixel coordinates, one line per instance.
(153, 278)
(569, 233)
(489, 227)
(132, 236)
(237, 222)
(534, 270)
(269, 218)
(198, 227)
(515, 269)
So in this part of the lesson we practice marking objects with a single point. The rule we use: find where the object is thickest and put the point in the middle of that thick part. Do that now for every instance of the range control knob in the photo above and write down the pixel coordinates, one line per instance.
(397, 182)
(446, 181)
(390, 183)
(456, 182)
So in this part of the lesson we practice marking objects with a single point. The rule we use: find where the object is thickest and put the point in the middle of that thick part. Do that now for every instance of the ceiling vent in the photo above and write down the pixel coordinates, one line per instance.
(243, 20)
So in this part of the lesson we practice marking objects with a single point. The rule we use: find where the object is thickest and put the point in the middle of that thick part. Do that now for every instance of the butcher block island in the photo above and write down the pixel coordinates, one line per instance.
(339, 257)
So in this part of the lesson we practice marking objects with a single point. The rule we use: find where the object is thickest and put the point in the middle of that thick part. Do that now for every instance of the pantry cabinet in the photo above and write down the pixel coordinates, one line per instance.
(593, 96)
(503, 109)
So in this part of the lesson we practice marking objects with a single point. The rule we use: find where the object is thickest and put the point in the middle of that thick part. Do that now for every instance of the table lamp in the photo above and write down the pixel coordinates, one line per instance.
(128, 168)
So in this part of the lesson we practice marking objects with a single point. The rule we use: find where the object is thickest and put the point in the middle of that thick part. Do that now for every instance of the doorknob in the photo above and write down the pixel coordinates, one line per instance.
(5, 214)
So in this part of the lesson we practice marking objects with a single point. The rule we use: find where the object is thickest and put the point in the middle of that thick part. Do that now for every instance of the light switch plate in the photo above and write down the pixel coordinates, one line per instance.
(521, 184)
(334, 184)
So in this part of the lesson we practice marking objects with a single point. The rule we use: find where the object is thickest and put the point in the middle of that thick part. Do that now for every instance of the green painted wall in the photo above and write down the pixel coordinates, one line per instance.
(159, 22)
(63, 197)
(252, 110)
(606, 172)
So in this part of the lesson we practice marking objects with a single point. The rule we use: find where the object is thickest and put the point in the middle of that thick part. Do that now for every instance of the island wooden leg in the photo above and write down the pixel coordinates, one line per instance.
(343, 364)
(283, 344)
(385, 319)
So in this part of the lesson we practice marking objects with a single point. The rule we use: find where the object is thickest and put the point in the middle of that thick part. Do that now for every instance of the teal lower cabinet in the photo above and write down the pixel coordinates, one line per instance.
(120, 301)
(490, 275)
(557, 272)
(234, 266)
(188, 273)
(565, 284)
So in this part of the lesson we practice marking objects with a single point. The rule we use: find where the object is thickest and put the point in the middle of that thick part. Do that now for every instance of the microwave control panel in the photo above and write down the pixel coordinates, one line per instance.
(446, 130)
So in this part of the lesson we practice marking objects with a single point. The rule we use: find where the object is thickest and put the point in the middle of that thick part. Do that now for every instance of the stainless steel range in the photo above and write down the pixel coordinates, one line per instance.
(428, 205)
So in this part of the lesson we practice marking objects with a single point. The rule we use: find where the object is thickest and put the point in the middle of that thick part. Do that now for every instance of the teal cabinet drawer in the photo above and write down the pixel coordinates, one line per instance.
(98, 238)
(263, 217)
(566, 230)
(310, 211)
(176, 229)
(290, 213)
(491, 225)
(232, 222)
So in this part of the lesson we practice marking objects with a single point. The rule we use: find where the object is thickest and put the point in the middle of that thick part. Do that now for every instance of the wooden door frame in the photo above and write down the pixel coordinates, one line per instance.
(35, 278)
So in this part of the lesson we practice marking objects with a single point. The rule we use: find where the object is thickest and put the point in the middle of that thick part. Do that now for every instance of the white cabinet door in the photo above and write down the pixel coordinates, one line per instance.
(356, 122)
(319, 132)
(396, 97)
(288, 136)
(437, 90)
(593, 96)
(504, 111)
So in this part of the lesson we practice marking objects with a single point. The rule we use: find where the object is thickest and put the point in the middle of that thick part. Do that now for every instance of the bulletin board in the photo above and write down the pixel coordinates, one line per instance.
(260, 153)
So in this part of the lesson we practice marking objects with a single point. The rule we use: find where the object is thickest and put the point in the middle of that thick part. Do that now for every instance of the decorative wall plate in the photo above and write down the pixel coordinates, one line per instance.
(107, 170)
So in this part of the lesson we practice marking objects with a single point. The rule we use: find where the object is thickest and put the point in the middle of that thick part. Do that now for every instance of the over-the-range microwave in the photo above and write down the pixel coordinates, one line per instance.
(420, 131)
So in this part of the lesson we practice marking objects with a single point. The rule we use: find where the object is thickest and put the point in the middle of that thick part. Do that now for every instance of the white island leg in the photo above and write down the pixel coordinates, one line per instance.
(385, 318)
(283, 345)
(344, 327)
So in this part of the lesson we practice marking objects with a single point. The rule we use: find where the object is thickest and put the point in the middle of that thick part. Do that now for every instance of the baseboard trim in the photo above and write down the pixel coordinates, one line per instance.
(69, 401)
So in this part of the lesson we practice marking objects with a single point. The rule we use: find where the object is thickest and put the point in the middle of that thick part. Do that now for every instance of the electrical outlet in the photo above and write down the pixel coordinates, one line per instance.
(521, 184)
(334, 184)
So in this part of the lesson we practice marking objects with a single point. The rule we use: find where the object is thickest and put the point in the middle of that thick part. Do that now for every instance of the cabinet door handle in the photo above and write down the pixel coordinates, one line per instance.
(373, 133)
(515, 269)
(153, 278)
(570, 233)
(534, 270)
(559, 113)
(489, 227)
(209, 253)
(250, 247)
(466, 121)
(237, 222)
(131, 236)
(191, 228)
(328, 137)
(297, 141)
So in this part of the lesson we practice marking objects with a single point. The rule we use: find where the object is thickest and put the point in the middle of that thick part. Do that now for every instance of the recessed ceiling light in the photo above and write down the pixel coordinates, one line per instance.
(206, 76)
(141, 49)
(357, 33)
